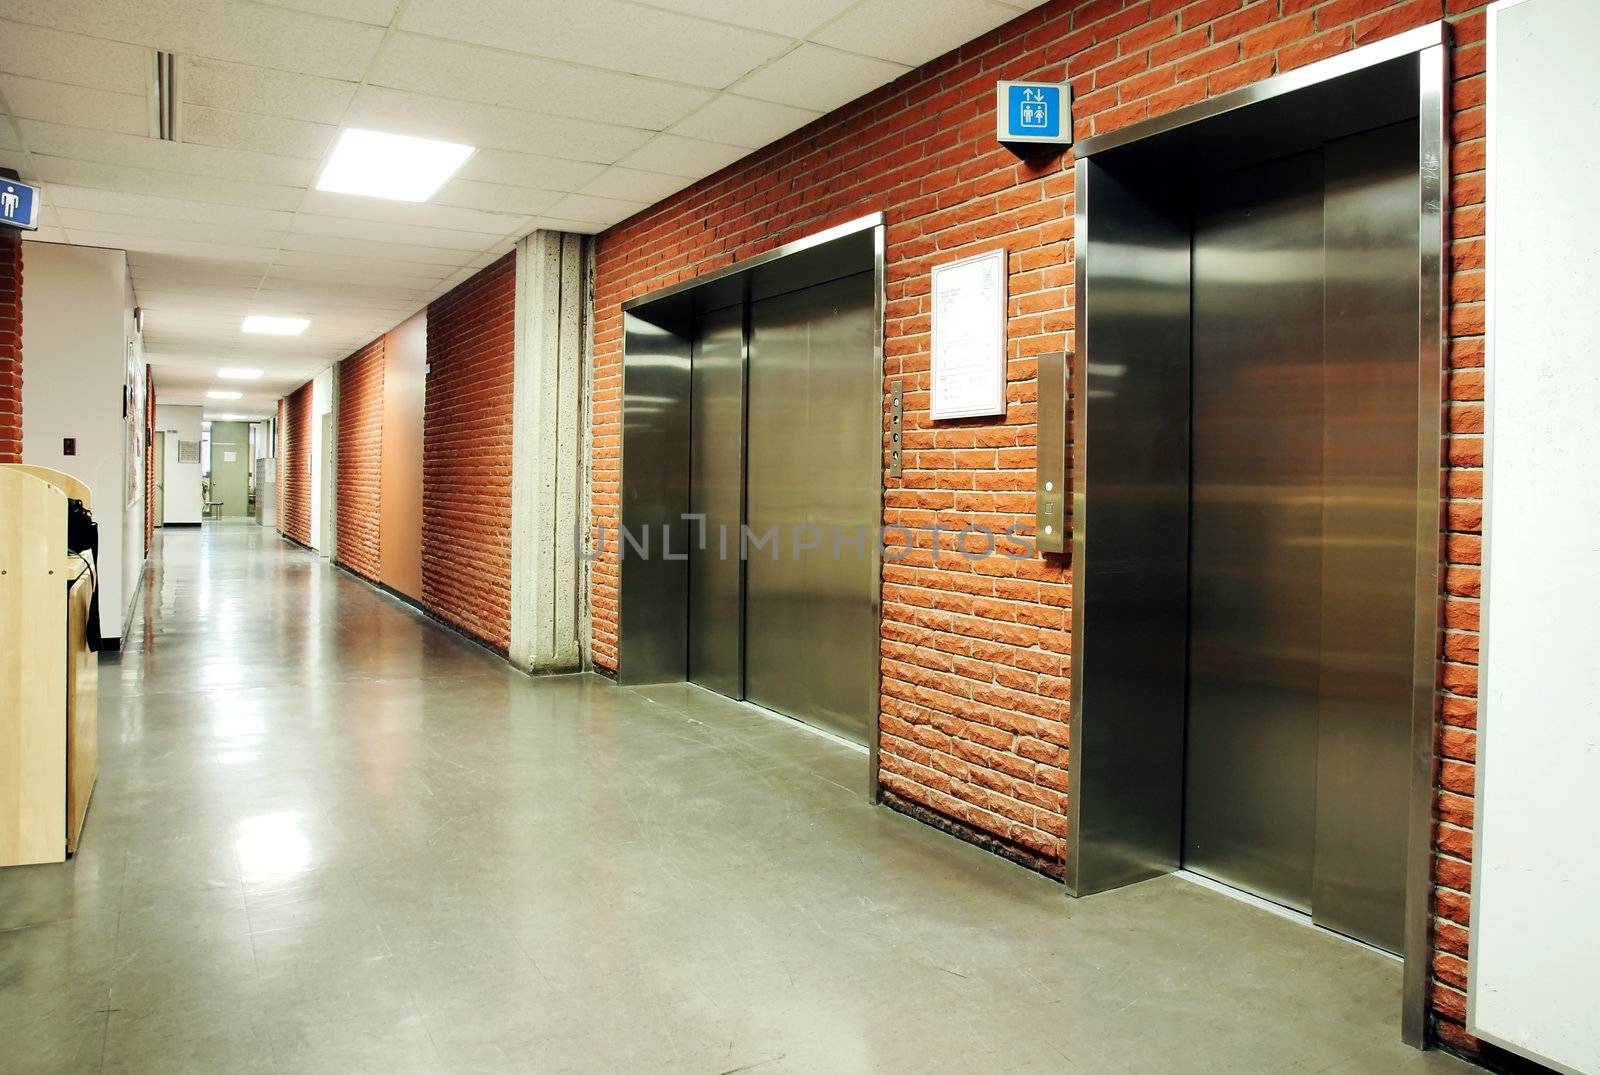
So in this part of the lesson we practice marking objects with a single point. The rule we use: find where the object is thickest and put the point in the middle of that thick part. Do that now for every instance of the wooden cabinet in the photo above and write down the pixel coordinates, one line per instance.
(49, 696)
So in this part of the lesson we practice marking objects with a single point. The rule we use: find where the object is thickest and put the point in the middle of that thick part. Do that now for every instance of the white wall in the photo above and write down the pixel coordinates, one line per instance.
(321, 404)
(181, 491)
(76, 324)
(1532, 986)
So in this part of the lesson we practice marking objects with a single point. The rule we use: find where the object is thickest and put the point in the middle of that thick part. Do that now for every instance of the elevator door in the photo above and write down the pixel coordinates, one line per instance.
(813, 443)
(716, 496)
(1302, 530)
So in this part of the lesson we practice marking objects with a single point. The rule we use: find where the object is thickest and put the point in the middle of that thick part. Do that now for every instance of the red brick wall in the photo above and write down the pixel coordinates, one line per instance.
(466, 456)
(975, 662)
(360, 433)
(10, 346)
(294, 465)
(149, 457)
(278, 457)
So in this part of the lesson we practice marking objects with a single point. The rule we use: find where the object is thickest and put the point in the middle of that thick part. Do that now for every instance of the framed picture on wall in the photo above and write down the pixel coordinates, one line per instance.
(133, 421)
(969, 337)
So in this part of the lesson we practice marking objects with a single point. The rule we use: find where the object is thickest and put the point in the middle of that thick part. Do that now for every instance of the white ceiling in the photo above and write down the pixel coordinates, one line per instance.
(583, 111)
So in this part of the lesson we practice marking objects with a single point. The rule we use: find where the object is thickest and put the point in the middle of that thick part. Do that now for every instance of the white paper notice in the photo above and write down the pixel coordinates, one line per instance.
(230, 457)
(969, 337)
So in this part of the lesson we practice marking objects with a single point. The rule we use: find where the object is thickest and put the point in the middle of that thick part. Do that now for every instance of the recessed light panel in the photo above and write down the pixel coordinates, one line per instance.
(275, 326)
(239, 375)
(397, 166)
(215, 394)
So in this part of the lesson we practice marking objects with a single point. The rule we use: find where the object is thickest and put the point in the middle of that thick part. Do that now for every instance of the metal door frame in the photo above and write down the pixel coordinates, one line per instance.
(1428, 44)
(665, 337)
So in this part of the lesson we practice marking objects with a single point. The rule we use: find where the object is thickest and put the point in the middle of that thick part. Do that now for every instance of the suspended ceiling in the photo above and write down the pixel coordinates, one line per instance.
(584, 112)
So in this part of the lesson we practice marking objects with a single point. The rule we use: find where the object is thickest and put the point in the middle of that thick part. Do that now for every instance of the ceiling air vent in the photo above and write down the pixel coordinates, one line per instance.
(166, 97)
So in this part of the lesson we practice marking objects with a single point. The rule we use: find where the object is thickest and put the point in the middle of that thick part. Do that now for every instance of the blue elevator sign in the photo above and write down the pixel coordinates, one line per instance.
(1033, 113)
(19, 204)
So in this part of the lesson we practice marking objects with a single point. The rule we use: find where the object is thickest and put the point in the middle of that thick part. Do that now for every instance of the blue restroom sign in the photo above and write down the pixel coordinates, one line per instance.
(19, 204)
(1033, 113)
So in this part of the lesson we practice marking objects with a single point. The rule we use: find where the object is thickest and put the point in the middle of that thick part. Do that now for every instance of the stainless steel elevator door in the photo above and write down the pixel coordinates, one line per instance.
(1302, 530)
(813, 453)
(716, 493)
(1369, 534)
(1255, 578)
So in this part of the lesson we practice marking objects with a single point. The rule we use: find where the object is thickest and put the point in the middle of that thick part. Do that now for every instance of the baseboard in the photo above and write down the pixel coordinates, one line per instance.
(1022, 856)
(179, 526)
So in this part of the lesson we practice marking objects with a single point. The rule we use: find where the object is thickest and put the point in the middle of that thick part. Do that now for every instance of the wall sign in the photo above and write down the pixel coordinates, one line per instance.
(188, 451)
(19, 204)
(969, 337)
(1033, 115)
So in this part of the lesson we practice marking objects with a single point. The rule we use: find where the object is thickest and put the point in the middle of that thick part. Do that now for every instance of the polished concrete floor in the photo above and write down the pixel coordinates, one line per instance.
(331, 836)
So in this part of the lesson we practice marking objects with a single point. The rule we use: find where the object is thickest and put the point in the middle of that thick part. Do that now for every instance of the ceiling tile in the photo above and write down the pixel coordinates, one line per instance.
(354, 264)
(335, 244)
(256, 133)
(199, 188)
(242, 88)
(819, 78)
(784, 17)
(375, 276)
(632, 185)
(127, 241)
(743, 121)
(157, 208)
(488, 126)
(912, 31)
(528, 170)
(374, 12)
(426, 214)
(639, 40)
(76, 106)
(83, 61)
(496, 197)
(381, 232)
(688, 157)
(490, 76)
(220, 29)
(46, 235)
(588, 208)
(190, 231)
(180, 158)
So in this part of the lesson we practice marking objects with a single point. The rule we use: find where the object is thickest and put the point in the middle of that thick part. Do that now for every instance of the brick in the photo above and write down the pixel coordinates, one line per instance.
(360, 437)
(11, 246)
(466, 456)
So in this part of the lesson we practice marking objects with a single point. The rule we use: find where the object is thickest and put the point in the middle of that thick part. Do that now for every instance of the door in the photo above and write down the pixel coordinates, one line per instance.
(716, 496)
(1255, 570)
(160, 513)
(230, 468)
(1302, 530)
(813, 503)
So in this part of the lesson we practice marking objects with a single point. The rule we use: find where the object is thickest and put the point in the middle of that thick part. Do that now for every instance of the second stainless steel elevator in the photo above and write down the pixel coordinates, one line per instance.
(1256, 510)
(753, 445)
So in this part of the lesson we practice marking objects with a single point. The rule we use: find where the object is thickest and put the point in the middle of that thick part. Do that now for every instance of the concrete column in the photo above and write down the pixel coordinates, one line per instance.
(549, 439)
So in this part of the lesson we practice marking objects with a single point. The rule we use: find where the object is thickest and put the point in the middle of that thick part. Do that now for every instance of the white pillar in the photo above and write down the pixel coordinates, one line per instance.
(549, 441)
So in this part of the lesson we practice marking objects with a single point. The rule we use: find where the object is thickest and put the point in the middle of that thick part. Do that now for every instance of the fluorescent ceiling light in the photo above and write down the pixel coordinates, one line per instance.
(378, 165)
(232, 418)
(214, 394)
(275, 326)
(239, 375)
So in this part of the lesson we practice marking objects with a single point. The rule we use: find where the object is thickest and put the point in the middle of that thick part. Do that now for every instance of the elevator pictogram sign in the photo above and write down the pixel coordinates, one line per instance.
(1033, 114)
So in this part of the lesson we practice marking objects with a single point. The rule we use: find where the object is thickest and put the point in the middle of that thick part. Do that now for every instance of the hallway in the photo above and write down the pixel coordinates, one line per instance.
(331, 836)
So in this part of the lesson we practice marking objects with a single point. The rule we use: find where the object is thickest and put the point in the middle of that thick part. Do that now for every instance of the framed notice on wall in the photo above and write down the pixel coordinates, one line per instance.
(969, 337)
